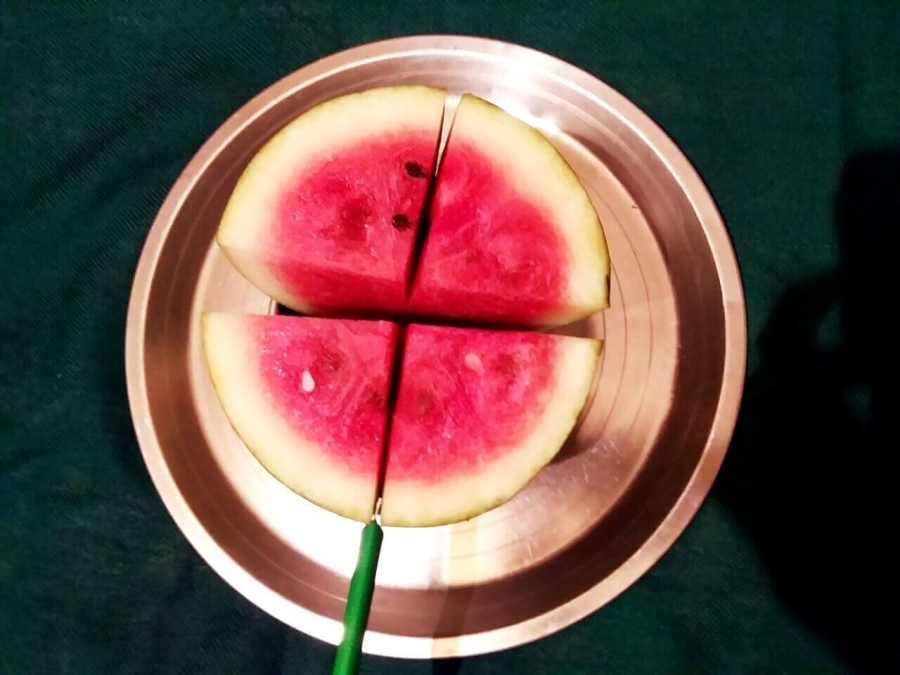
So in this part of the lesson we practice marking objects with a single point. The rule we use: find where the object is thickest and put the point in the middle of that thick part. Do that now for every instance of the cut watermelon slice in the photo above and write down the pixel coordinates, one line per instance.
(513, 237)
(478, 414)
(308, 396)
(324, 217)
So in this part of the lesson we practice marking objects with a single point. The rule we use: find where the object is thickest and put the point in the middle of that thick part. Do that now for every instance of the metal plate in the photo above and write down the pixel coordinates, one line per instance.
(621, 491)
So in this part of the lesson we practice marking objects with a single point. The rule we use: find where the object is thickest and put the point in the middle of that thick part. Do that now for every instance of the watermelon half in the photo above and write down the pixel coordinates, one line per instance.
(478, 414)
(513, 235)
(308, 396)
(324, 217)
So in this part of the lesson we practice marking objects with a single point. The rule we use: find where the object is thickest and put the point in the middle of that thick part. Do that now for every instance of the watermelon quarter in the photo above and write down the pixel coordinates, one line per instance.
(308, 396)
(478, 414)
(324, 217)
(513, 237)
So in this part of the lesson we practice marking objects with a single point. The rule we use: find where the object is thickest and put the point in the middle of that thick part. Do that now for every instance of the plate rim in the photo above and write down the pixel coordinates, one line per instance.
(670, 528)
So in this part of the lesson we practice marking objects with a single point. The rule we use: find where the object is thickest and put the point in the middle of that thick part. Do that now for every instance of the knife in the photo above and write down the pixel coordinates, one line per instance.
(359, 597)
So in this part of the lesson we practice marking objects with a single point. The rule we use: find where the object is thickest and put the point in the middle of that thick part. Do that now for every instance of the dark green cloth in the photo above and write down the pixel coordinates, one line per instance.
(791, 115)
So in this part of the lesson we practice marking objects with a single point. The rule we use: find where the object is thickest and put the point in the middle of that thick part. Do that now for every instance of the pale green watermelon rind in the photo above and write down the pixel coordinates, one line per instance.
(301, 465)
(322, 130)
(519, 148)
(409, 503)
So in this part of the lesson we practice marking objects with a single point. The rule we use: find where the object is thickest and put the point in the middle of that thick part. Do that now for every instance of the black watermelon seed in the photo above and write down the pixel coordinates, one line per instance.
(400, 222)
(414, 170)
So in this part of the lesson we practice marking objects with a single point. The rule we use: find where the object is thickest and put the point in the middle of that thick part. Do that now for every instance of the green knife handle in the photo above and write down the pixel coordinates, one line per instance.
(359, 601)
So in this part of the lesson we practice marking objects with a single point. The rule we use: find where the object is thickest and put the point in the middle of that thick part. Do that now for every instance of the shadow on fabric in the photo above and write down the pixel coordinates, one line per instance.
(810, 472)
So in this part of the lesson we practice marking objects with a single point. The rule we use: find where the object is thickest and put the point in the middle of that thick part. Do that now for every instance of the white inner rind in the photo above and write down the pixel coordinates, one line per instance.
(254, 268)
(232, 355)
(320, 133)
(517, 149)
(416, 503)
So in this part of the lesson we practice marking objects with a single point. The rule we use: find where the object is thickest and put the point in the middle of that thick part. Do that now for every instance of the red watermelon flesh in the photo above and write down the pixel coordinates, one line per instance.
(308, 396)
(513, 237)
(354, 250)
(478, 414)
(491, 254)
(324, 218)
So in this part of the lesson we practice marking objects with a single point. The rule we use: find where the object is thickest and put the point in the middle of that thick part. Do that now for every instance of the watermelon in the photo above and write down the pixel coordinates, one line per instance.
(328, 219)
(324, 217)
(513, 237)
(478, 414)
(308, 396)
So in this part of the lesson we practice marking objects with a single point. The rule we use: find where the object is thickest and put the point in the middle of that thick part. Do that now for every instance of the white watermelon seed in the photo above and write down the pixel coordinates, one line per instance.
(307, 382)
(473, 362)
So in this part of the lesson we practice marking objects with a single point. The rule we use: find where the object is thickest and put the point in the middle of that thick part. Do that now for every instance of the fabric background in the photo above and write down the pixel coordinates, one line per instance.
(791, 115)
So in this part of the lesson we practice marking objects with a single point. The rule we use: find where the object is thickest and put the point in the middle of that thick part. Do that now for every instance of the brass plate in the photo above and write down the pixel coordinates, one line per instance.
(624, 488)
